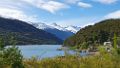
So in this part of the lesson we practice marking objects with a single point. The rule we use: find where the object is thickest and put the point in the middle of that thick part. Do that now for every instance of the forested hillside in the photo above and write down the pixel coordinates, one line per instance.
(25, 33)
(95, 34)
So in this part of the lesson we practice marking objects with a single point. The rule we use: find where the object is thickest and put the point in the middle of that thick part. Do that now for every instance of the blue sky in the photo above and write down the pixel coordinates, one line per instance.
(63, 12)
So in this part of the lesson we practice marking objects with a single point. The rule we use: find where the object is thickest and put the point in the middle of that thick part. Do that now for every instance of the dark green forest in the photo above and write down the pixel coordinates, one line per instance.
(95, 34)
(25, 33)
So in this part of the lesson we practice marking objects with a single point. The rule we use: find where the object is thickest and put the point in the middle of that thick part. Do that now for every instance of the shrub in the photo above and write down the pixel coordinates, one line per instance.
(12, 56)
(118, 50)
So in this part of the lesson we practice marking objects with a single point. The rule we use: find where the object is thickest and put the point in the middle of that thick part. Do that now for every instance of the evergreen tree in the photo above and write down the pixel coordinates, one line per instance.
(115, 41)
(96, 34)
(2, 44)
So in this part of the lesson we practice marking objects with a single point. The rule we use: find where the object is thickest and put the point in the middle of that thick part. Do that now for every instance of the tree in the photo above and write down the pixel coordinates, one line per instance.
(13, 57)
(115, 41)
(2, 44)
(98, 33)
(10, 55)
(103, 36)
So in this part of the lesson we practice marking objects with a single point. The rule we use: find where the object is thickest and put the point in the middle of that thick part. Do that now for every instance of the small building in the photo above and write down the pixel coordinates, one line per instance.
(108, 46)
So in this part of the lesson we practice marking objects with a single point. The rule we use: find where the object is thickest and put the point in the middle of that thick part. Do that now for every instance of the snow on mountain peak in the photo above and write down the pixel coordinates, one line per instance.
(73, 29)
(43, 26)
(55, 25)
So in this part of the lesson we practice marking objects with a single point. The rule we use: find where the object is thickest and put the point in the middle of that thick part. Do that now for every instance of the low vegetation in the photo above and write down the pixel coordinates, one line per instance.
(104, 60)
(11, 58)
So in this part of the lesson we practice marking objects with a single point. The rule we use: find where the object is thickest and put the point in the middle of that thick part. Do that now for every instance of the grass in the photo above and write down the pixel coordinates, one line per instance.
(98, 61)
(102, 60)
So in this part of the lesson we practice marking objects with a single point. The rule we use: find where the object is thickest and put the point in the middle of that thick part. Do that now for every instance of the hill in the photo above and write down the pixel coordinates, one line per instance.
(25, 33)
(95, 34)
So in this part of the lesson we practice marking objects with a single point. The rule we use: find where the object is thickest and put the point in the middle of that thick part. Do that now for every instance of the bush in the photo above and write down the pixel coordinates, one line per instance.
(118, 50)
(12, 56)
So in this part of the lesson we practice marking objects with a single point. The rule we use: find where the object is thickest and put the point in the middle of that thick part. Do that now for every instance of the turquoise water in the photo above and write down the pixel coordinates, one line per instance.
(42, 51)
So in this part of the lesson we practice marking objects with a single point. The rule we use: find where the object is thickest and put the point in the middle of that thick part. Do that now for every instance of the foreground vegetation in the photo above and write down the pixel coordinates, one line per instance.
(99, 61)
(105, 59)
(12, 58)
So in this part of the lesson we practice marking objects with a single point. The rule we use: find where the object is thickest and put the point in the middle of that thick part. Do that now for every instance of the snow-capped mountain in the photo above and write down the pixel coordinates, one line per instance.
(59, 31)
(41, 25)
(73, 29)
(58, 27)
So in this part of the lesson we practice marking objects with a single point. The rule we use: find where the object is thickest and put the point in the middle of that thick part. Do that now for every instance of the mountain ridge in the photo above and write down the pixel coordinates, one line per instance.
(59, 31)
(26, 33)
(98, 33)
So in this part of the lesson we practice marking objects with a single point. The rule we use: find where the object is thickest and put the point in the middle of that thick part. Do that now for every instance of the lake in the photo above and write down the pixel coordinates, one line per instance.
(43, 51)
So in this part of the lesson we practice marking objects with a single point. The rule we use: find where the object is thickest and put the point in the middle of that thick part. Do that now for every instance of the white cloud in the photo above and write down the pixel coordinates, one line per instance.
(81, 21)
(16, 8)
(51, 6)
(84, 5)
(48, 5)
(115, 14)
(71, 1)
(106, 1)
(16, 14)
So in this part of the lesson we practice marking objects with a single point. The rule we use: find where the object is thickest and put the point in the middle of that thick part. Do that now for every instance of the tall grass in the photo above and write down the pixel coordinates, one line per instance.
(102, 60)
(12, 58)
(107, 60)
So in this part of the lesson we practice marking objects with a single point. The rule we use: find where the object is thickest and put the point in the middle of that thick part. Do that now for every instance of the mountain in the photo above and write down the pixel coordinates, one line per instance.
(73, 29)
(95, 34)
(55, 25)
(25, 33)
(59, 31)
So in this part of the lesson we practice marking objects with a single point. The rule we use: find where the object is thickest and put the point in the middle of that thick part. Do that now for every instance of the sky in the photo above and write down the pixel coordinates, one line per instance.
(63, 12)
